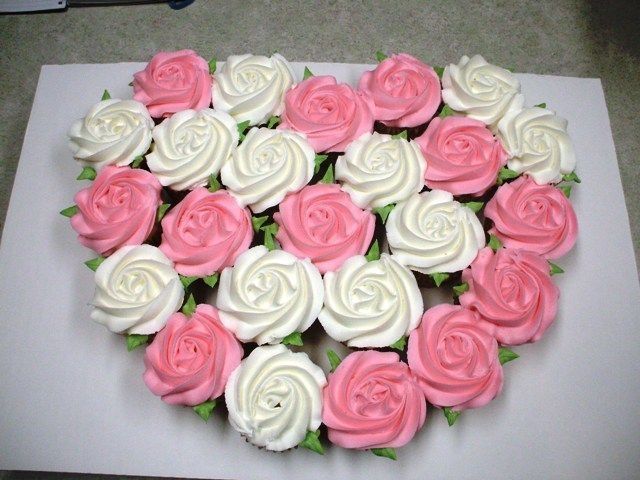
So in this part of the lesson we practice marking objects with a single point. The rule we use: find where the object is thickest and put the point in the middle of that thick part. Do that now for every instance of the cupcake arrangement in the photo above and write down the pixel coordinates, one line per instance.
(231, 207)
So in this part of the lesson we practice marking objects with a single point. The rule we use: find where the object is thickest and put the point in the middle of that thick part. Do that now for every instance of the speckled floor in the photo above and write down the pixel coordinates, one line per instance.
(559, 37)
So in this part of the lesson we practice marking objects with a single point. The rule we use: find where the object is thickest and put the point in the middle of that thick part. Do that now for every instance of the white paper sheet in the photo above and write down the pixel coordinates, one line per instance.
(72, 398)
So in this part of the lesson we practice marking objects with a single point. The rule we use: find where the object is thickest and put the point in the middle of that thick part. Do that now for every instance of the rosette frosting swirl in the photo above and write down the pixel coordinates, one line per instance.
(370, 304)
(137, 290)
(455, 357)
(268, 165)
(114, 132)
(481, 90)
(190, 146)
(431, 232)
(275, 397)
(538, 142)
(252, 87)
(377, 170)
(268, 295)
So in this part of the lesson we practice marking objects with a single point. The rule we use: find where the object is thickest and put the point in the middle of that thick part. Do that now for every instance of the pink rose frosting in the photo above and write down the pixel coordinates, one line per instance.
(405, 91)
(463, 156)
(205, 232)
(455, 358)
(512, 289)
(320, 222)
(173, 81)
(372, 400)
(331, 115)
(533, 217)
(118, 208)
(190, 359)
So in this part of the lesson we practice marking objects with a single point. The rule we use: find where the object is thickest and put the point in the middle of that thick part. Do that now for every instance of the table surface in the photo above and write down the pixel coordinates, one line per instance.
(561, 37)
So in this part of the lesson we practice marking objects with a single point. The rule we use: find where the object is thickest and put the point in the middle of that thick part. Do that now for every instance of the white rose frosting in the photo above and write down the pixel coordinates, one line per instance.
(481, 90)
(252, 87)
(275, 397)
(114, 132)
(538, 142)
(377, 170)
(137, 290)
(268, 295)
(190, 146)
(431, 232)
(371, 304)
(268, 165)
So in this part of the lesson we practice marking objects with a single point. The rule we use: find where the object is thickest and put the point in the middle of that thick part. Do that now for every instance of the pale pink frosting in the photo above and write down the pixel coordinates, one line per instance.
(320, 222)
(331, 115)
(455, 358)
(463, 156)
(512, 289)
(372, 400)
(405, 91)
(190, 359)
(118, 208)
(533, 217)
(205, 232)
(173, 81)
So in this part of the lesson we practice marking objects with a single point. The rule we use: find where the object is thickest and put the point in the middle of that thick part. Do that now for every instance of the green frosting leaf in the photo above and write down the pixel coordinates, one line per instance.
(494, 243)
(334, 359)
(205, 409)
(134, 341)
(87, 173)
(511, 69)
(506, 174)
(474, 206)
(439, 71)
(318, 161)
(328, 176)
(385, 452)
(571, 177)
(137, 161)
(213, 64)
(312, 442)
(269, 234)
(307, 73)
(541, 105)
(214, 184)
(189, 306)
(447, 111)
(505, 355)
(555, 269)
(460, 289)
(373, 253)
(438, 278)
(273, 122)
(69, 211)
(242, 128)
(566, 189)
(450, 415)
(380, 56)
(94, 263)
(258, 221)
(384, 212)
(403, 134)
(162, 209)
(211, 280)
(186, 281)
(294, 338)
(106, 95)
(400, 343)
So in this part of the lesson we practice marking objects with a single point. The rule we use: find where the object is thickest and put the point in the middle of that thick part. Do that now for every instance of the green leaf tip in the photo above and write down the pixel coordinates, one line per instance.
(384, 212)
(566, 189)
(213, 64)
(400, 344)
(505, 355)
(134, 341)
(186, 281)
(162, 209)
(94, 263)
(475, 207)
(307, 73)
(211, 280)
(380, 56)
(439, 277)
(328, 176)
(242, 129)
(205, 409)
(541, 105)
(439, 71)
(69, 211)
(402, 135)
(450, 415)
(294, 339)
(506, 174)
(554, 269)
(273, 122)
(447, 111)
(106, 95)
(494, 243)
(137, 161)
(258, 221)
(189, 306)
(318, 162)
(571, 177)
(270, 232)
(214, 184)
(334, 359)
(373, 253)
(460, 289)
(385, 452)
(312, 442)
(87, 173)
